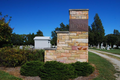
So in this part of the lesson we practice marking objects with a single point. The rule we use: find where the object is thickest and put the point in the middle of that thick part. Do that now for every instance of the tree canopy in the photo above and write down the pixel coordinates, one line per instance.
(116, 32)
(5, 30)
(54, 34)
(25, 39)
(96, 32)
(111, 39)
(39, 33)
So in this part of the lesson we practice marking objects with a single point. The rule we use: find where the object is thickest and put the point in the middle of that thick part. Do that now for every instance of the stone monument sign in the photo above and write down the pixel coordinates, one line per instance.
(72, 45)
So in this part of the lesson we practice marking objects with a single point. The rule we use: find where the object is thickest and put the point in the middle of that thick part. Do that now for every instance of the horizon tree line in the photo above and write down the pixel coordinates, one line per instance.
(96, 34)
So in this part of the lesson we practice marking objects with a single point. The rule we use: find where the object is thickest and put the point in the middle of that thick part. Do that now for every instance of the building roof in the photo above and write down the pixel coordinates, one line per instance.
(41, 37)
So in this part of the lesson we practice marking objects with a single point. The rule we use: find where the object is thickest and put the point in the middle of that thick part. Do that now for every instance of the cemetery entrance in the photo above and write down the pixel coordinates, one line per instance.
(72, 45)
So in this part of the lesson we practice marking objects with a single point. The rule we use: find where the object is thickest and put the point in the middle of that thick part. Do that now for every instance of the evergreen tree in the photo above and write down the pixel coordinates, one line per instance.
(98, 30)
(116, 32)
(39, 33)
(91, 36)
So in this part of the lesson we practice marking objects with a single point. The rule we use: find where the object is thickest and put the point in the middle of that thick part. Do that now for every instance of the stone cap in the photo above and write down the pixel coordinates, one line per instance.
(50, 48)
(62, 31)
(78, 9)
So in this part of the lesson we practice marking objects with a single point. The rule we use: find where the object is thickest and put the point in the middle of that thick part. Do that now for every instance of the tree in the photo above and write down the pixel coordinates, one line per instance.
(39, 33)
(54, 34)
(30, 38)
(118, 43)
(5, 31)
(111, 39)
(17, 39)
(25, 39)
(116, 32)
(91, 36)
(97, 30)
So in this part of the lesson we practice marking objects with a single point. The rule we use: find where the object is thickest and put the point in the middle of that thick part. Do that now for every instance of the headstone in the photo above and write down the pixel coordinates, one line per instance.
(53, 46)
(108, 48)
(118, 46)
(106, 45)
(101, 45)
(91, 46)
(31, 46)
(21, 47)
(98, 46)
(114, 46)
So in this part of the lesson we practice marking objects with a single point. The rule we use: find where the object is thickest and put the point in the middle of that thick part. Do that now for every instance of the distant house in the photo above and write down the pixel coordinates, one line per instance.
(41, 42)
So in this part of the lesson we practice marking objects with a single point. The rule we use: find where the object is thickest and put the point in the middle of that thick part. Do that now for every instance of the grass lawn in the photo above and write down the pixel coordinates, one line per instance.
(6, 76)
(106, 69)
(114, 51)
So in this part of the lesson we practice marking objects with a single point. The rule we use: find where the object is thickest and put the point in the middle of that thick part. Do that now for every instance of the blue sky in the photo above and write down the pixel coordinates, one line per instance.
(29, 16)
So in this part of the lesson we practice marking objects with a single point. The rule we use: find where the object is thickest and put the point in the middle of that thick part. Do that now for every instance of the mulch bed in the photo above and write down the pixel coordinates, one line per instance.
(16, 72)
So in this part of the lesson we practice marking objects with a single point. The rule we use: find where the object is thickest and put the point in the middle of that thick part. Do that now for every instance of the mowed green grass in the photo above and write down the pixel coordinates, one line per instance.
(106, 69)
(6, 76)
(114, 51)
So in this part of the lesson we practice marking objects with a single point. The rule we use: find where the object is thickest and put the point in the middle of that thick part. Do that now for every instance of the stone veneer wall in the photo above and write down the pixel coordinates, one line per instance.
(72, 46)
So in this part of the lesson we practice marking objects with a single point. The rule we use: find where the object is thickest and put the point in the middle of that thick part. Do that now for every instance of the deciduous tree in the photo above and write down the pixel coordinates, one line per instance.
(111, 39)
(5, 31)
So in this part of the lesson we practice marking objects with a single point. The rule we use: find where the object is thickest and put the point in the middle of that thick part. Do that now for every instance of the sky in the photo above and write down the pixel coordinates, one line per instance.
(29, 16)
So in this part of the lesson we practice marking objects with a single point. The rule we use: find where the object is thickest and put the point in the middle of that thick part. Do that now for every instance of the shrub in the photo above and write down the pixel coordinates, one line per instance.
(16, 57)
(35, 55)
(11, 57)
(7, 45)
(31, 68)
(54, 70)
(83, 68)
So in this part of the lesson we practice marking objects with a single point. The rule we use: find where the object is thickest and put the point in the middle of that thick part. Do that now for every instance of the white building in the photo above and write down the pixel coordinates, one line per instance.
(41, 42)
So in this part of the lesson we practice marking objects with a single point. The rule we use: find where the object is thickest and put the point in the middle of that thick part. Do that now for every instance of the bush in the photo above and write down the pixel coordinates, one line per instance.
(16, 57)
(36, 55)
(83, 68)
(10, 57)
(54, 70)
(31, 68)
(7, 45)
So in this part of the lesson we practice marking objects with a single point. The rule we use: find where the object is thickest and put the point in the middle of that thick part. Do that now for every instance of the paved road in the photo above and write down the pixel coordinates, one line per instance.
(114, 61)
